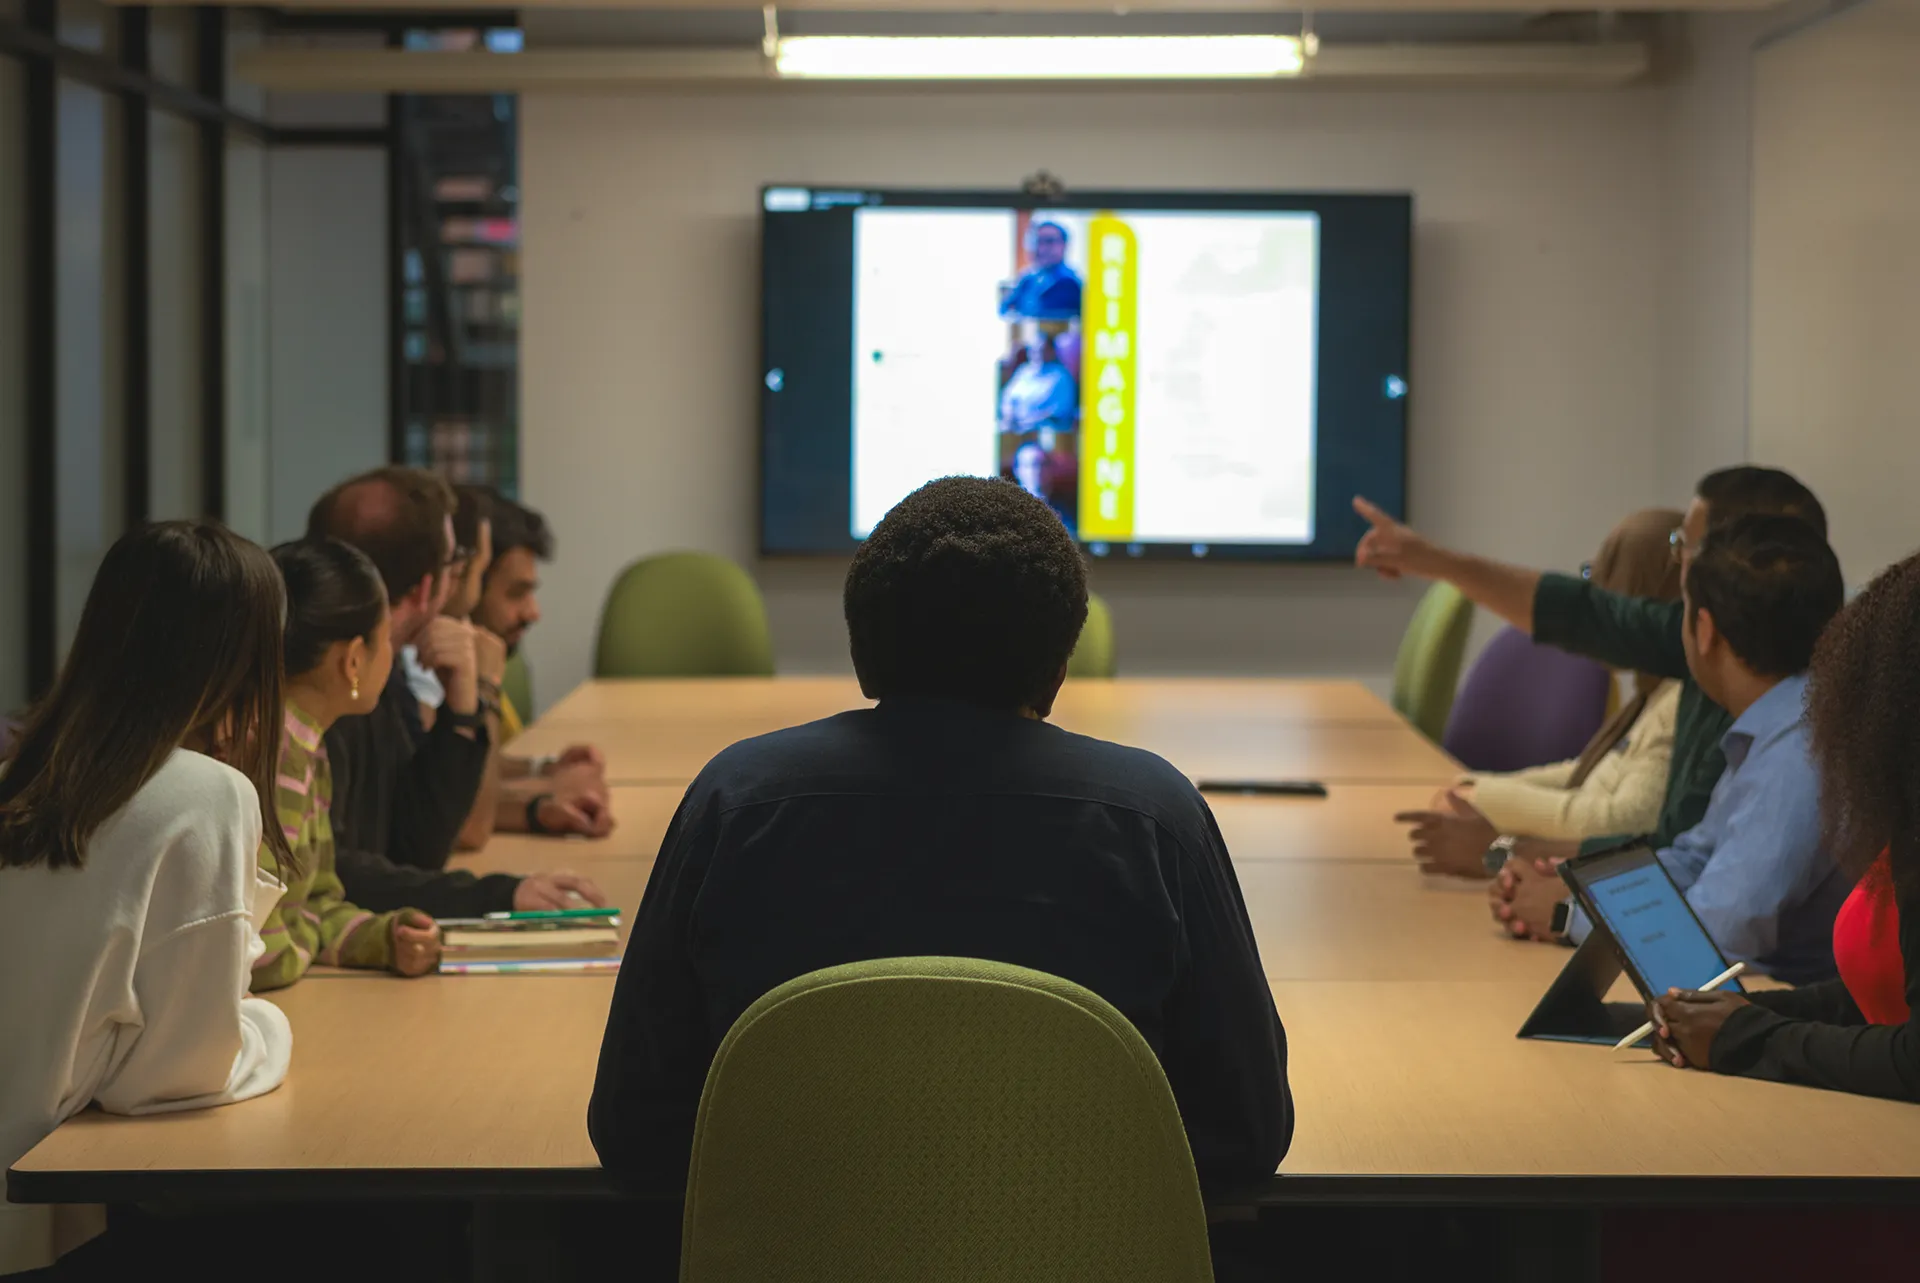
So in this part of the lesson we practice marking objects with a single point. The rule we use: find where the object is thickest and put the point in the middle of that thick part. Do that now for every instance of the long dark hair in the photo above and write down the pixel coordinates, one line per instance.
(1863, 706)
(334, 594)
(180, 634)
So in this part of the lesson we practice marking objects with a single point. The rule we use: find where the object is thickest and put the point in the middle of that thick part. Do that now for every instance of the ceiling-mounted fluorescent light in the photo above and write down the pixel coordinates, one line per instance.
(1038, 57)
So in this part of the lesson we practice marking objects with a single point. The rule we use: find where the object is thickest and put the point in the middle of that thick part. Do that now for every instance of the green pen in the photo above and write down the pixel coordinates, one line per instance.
(535, 915)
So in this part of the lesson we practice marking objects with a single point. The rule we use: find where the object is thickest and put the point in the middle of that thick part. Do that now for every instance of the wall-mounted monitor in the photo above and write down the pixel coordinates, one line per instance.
(1176, 374)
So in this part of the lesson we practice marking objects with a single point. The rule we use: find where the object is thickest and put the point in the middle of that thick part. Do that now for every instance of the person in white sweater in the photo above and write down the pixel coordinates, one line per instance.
(1620, 793)
(1618, 782)
(130, 889)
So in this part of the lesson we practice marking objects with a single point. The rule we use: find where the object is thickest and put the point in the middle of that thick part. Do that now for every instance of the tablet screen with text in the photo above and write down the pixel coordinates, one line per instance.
(1661, 940)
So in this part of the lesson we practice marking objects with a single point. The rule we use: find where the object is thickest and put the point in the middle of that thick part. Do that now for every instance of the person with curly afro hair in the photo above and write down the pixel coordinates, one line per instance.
(968, 590)
(1858, 1033)
(949, 820)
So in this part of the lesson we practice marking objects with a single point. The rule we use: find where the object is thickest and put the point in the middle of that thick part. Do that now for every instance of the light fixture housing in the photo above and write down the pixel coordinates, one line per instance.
(1039, 58)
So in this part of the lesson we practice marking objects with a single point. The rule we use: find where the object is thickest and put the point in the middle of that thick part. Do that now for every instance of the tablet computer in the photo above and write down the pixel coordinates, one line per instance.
(1661, 941)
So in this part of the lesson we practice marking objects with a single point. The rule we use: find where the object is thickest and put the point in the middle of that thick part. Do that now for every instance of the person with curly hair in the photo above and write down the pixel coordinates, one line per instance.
(951, 819)
(1861, 1032)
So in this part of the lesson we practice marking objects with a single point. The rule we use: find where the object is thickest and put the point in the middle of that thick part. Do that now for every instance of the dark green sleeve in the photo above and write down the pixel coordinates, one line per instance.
(1638, 634)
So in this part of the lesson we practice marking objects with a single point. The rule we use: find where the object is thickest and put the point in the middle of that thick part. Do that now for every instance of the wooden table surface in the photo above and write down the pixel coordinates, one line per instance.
(1399, 996)
(1336, 732)
(1400, 1088)
(1353, 822)
(787, 701)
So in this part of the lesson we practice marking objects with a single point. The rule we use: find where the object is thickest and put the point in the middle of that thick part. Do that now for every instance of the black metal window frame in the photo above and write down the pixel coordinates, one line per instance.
(127, 74)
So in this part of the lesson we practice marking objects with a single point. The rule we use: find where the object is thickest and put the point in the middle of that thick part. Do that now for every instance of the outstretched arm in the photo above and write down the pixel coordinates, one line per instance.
(1634, 633)
(1391, 549)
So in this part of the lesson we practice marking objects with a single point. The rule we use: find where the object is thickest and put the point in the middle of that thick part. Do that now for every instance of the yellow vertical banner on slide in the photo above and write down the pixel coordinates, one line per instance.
(1107, 351)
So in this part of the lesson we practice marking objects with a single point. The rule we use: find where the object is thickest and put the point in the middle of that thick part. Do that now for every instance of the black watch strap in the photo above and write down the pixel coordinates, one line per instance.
(474, 721)
(533, 813)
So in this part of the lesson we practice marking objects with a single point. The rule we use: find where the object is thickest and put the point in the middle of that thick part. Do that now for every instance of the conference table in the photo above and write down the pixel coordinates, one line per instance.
(1400, 996)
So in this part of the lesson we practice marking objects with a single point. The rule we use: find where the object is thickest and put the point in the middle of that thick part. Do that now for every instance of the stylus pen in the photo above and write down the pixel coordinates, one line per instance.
(1708, 987)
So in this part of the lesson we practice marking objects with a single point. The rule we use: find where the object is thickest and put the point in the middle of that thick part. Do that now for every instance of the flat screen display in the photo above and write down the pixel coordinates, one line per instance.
(1194, 376)
(1651, 921)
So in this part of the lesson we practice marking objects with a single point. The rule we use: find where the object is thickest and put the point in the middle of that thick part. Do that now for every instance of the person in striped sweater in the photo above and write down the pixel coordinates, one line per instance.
(338, 656)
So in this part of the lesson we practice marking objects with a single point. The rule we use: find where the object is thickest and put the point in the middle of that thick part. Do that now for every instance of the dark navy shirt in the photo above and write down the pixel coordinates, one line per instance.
(923, 827)
(400, 796)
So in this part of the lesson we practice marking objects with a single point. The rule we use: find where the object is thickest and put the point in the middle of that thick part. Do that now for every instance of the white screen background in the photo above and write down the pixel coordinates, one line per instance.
(1227, 352)
(926, 298)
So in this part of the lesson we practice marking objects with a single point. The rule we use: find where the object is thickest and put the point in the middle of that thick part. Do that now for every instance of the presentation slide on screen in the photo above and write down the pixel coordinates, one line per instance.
(1150, 375)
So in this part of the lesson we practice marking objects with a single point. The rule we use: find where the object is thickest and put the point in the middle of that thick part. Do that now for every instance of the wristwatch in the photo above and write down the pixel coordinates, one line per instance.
(1499, 853)
(534, 824)
(475, 721)
(1562, 920)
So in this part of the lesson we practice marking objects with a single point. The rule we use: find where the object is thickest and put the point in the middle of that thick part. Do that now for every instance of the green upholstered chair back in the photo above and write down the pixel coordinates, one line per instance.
(1427, 670)
(684, 614)
(1094, 656)
(939, 1120)
(518, 685)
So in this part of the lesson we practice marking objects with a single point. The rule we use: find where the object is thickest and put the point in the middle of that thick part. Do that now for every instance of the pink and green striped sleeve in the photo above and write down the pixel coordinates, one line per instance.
(313, 923)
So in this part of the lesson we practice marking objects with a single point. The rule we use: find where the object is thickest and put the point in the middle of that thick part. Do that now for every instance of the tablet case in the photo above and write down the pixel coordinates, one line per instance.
(1575, 1006)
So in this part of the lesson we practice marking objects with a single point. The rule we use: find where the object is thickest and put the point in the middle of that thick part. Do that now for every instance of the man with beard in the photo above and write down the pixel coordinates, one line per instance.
(566, 793)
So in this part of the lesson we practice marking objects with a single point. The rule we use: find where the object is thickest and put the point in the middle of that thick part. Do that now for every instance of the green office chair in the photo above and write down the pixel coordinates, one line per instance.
(1427, 670)
(1094, 656)
(684, 614)
(517, 685)
(939, 1119)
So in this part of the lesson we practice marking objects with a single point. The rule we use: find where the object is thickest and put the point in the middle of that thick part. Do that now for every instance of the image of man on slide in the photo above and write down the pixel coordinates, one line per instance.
(1042, 392)
(1029, 469)
(1049, 290)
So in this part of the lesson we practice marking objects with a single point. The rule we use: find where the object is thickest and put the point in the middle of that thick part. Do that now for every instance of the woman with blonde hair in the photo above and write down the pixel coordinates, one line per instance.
(1618, 782)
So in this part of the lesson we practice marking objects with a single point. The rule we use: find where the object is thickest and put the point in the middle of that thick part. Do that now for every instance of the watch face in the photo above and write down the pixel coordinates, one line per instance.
(1561, 913)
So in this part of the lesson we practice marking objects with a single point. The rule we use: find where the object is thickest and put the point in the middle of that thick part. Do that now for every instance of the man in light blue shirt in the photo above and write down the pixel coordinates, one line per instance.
(1757, 596)
(1042, 394)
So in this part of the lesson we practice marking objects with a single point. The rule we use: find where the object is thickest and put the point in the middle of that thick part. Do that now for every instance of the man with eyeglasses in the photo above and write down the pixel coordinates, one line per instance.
(401, 791)
(465, 565)
(1628, 633)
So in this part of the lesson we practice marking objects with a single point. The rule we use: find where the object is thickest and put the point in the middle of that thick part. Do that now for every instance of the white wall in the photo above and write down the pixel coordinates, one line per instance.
(328, 322)
(1704, 320)
(1836, 272)
(1537, 372)
(1707, 149)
